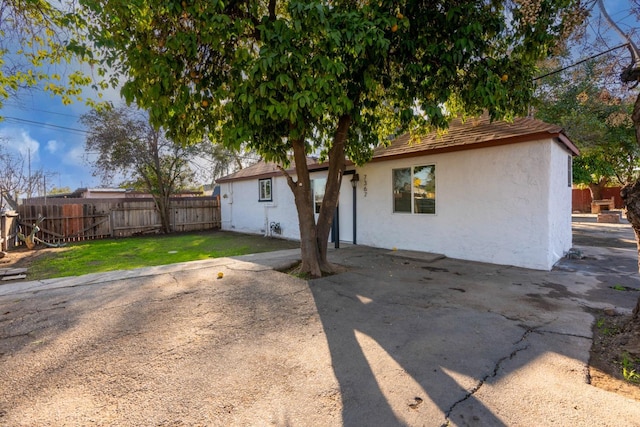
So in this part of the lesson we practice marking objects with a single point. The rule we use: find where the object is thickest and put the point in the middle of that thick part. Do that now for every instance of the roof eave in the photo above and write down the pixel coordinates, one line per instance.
(314, 167)
(561, 137)
(564, 139)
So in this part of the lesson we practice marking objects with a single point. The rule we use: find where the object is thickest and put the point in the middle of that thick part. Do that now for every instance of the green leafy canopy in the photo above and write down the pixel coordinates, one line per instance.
(41, 45)
(268, 73)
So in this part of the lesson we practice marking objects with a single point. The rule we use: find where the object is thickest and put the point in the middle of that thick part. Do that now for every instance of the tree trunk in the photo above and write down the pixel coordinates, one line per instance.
(301, 189)
(635, 117)
(163, 207)
(631, 198)
(314, 237)
(332, 190)
(596, 189)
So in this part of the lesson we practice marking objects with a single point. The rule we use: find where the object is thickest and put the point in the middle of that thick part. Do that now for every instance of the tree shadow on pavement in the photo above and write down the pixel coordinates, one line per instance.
(397, 352)
(413, 343)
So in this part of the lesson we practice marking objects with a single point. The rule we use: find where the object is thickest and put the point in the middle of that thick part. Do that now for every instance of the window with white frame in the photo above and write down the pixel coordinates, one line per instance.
(317, 189)
(264, 188)
(414, 189)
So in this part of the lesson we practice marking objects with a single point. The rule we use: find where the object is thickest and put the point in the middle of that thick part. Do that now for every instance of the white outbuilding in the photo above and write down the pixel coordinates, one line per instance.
(492, 192)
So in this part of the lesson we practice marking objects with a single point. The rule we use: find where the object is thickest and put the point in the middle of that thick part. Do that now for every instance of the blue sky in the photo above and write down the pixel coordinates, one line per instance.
(38, 124)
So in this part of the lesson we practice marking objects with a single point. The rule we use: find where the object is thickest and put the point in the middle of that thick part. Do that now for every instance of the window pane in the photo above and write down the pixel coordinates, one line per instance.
(424, 189)
(265, 189)
(402, 190)
(317, 186)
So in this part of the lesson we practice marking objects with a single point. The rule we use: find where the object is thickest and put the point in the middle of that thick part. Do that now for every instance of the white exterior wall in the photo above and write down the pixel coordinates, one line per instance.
(560, 237)
(241, 211)
(508, 205)
(492, 205)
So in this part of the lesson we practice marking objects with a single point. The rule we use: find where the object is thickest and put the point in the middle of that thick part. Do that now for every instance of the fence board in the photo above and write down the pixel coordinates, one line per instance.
(8, 221)
(68, 220)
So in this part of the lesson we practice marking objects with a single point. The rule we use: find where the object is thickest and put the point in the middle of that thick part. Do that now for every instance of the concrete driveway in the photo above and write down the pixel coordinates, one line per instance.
(398, 339)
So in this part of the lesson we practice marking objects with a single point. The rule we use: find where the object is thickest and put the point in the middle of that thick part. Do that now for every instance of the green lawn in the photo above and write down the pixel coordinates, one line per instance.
(133, 252)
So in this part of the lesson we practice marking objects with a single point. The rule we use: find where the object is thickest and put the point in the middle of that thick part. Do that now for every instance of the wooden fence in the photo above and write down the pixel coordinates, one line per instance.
(581, 198)
(70, 220)
(8, 228)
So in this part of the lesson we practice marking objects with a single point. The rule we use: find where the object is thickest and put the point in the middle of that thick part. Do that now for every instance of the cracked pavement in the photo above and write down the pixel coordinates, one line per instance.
(399, 338)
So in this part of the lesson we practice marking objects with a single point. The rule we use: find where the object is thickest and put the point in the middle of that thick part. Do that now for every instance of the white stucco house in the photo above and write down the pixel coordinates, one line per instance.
(491, 192)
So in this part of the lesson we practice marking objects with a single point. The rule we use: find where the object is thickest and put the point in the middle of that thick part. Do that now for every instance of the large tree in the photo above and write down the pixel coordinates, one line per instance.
(596, 114)
(124, 146)
(630, 193)
(338, 77)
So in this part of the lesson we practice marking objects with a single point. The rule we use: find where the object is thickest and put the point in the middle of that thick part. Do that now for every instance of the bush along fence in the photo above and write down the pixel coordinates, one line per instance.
(72, 220)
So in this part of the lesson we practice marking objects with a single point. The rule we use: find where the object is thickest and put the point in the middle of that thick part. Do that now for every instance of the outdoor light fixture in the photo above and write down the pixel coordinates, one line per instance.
(354, 180)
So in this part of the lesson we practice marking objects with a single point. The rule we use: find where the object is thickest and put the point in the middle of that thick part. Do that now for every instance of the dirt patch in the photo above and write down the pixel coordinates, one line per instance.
(615, 350)
(23, 258)
(296, 270)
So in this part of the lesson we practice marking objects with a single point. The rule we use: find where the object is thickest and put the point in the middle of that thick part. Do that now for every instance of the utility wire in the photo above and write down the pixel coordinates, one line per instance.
(25, 108)
(17, 119)
(581, 61)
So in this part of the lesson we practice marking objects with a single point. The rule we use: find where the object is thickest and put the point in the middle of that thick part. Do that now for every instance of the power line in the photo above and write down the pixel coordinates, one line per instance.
(46, 125)
(25, 108)
(581, 61)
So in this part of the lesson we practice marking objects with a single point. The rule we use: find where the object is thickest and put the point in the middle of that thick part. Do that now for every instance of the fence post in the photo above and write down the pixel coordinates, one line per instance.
(172, 226)
(3, 232)
(111, 220)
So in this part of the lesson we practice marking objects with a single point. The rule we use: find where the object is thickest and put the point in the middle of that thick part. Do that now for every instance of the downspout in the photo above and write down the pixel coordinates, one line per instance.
(230, 203)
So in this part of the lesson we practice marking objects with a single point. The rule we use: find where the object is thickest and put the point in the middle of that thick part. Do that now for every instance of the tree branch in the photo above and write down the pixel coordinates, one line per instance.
(631, 73)
(272, 10)
(292, 184)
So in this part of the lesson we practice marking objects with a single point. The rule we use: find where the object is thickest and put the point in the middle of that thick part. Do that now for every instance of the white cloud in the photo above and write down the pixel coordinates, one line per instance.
(75, 157)
(19, 140)
(53, 146)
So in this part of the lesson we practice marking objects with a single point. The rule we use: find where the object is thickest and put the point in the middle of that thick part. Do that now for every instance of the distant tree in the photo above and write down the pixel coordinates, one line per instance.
(59, 190)
(129, 149)
(17, 179)
(597, 116)
(217, 161)
(292, 78)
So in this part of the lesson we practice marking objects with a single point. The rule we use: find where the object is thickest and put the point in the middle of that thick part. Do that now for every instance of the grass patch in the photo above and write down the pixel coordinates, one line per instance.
(629, 368)
(135, 252)
(606, 328)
